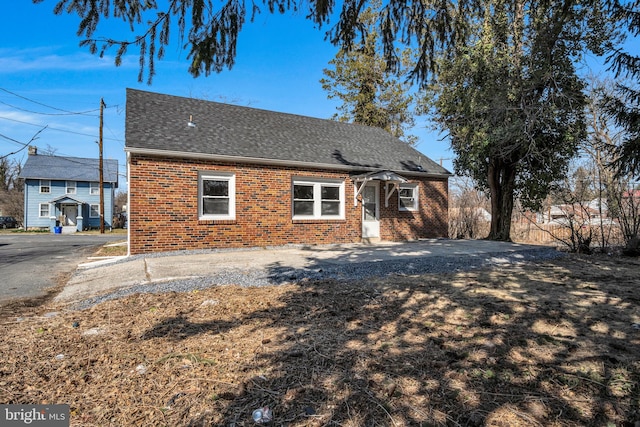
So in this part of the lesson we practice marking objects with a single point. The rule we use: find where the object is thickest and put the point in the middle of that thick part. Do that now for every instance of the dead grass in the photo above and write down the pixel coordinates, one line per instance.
(118, 248)
(548, 344)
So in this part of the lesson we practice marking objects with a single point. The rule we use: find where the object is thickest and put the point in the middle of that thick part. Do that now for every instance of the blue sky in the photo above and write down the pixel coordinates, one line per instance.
(278, 67)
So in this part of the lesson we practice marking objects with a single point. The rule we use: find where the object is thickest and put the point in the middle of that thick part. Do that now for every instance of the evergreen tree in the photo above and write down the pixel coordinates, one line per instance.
(512, 103)
(625, 106)
(370, 93)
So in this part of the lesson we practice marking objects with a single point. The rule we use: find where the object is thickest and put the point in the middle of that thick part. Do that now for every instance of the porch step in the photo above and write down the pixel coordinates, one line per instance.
(371, 240)
(67, 229)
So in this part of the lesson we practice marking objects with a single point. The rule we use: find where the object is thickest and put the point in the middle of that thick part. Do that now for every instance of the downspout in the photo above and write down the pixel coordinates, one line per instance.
(128, 204)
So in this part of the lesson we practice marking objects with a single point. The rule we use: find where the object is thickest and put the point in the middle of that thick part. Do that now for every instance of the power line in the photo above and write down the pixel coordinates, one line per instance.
(83, 113)
(59, 130)
(33, 138)
(11, 139)
(44, 105)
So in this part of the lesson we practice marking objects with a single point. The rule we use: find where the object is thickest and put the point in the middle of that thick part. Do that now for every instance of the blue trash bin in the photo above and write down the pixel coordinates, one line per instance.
(57, 230)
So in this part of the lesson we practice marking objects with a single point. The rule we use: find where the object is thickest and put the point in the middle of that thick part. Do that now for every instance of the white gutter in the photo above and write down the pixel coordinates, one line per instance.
(262, 161)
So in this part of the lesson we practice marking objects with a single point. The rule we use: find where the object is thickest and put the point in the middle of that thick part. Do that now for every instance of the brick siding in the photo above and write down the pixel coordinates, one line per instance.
(163, 209)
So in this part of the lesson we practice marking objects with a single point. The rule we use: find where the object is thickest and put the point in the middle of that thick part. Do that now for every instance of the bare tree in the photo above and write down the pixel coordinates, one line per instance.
(603, 148)
(572, 211)
(595, 203)
(11, 189)
(468, 210)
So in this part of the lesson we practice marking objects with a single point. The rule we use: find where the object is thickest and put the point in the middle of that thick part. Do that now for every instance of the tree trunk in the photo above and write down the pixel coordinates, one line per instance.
(501, 179)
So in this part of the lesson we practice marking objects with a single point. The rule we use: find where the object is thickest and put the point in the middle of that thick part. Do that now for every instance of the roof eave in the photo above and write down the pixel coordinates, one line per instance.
(268, 162)
(48, 178)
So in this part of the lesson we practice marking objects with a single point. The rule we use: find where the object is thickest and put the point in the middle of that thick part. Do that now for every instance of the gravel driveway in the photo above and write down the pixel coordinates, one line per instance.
(256, 268)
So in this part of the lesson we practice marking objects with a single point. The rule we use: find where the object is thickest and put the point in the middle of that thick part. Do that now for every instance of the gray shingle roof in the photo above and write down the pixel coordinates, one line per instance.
(69, 168)
(159, 122)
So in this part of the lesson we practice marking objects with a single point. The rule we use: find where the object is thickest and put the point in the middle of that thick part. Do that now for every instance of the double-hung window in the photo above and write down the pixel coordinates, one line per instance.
(94, 211)
(45, 186)
(217, 196)
(71, 187)
(94, 188)
(408, 197)
(318, 199)
(44, 210)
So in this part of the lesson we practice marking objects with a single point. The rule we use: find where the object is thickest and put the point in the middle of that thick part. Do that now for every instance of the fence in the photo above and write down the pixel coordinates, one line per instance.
(555, 234)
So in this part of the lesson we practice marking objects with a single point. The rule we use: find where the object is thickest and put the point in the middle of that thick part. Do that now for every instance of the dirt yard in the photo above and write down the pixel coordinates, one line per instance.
(555, 343)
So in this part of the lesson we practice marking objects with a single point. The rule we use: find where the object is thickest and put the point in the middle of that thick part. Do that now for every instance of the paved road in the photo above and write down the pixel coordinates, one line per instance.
(29, 263)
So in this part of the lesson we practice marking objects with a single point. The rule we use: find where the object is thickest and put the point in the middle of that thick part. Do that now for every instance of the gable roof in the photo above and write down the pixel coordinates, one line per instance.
(157, 124)
(66, 199)
(69, 168)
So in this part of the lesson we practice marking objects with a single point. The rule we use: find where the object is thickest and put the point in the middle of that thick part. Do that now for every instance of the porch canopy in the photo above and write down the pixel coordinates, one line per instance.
(67, 199)
(64, 201)
(391, 180)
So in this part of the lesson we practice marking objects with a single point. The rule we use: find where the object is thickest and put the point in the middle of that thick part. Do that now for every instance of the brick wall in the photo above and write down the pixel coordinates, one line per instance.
(431, 220)
(163, 210)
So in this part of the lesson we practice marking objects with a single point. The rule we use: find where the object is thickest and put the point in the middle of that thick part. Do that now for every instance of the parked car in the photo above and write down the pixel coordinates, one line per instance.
(8, 222)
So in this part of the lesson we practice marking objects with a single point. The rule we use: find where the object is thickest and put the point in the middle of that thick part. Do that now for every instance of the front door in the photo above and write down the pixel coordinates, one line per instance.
(70, 213)
(371, 210)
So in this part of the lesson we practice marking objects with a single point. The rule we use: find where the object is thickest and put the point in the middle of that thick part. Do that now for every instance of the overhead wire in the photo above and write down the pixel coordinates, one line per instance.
(33, 138)
(44, 105)
(83, 113)
(59, 130)
(63, 112)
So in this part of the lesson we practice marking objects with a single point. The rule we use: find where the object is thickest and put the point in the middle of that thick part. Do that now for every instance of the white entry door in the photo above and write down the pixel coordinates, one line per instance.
(371, 210)
(70, 213)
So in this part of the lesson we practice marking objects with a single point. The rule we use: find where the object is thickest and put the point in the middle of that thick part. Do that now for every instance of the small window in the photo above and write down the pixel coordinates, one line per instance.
(318, 199)
(71, 187)
(217, 196)
(45, 186)
(94, 211)
(44, 210)
(94, 188)
(408, 197)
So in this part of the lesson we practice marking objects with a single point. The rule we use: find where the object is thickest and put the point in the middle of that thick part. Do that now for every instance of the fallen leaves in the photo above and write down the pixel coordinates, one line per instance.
(537, 344)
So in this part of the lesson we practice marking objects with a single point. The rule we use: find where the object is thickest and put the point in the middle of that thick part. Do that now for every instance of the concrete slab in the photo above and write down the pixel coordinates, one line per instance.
(100, 278)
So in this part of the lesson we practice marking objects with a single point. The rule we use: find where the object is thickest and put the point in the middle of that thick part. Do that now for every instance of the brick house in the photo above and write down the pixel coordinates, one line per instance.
(210, 175)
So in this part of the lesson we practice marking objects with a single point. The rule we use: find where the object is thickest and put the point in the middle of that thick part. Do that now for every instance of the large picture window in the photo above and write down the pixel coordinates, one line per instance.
(408, 197)
(217, 196)
(318, 199)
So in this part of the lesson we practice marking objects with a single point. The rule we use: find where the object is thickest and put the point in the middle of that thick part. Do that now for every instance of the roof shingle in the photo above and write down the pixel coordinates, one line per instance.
(69, 168)
(157, 122)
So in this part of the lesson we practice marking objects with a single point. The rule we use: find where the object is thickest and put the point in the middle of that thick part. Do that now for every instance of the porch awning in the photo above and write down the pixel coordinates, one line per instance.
(67, 199)
(391, 179)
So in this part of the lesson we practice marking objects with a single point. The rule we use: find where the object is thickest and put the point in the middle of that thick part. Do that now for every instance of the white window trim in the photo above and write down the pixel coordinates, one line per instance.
(42, 181)
(48, 215)
(91, 210)
(68, 187)
(317, 197)
(220, 176)
(94, 188)
(414, 188)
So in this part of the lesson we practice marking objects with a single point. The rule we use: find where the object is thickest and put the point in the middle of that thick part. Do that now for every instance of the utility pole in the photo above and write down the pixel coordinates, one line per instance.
(101, 169)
